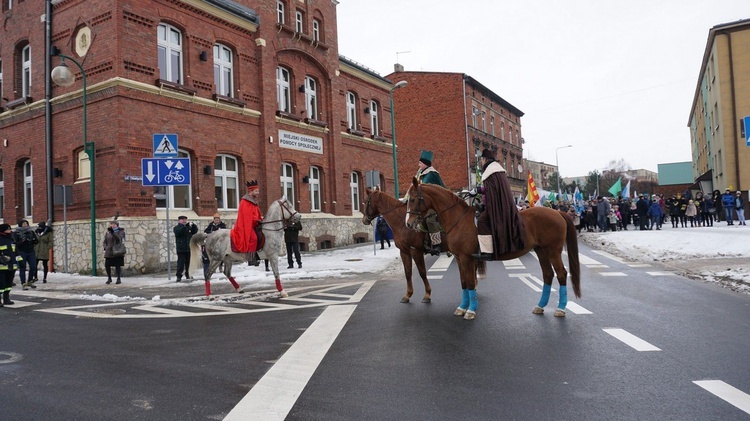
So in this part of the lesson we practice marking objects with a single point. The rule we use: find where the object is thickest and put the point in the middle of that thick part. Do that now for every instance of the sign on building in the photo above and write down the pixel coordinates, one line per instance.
(300, 142)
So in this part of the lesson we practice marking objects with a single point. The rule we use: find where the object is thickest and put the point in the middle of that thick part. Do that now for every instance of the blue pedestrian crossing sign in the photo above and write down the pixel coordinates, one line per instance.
(747, 130)
(165, 171)
(165, 145)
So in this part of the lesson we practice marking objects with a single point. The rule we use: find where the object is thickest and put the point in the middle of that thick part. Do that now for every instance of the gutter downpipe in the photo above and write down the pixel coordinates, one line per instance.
(734, 111)
(48, 109)
(466, 130)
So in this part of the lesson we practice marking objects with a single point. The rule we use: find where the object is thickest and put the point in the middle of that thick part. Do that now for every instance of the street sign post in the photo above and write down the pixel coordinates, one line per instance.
(165, 171)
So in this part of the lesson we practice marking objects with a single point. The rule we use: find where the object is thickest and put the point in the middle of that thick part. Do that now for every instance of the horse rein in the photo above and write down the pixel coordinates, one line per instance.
(367, 210)
(283, 208)
(420, 217)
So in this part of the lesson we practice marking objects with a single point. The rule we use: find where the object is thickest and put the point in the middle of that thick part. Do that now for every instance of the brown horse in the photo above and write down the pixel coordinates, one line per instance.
(546, 232)
(409, 242)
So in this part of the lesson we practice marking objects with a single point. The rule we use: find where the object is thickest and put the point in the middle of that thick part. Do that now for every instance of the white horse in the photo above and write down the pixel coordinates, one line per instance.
(219, 248)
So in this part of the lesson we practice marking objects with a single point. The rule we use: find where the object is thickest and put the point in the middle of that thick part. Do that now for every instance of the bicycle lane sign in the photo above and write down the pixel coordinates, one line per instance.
(165, 171)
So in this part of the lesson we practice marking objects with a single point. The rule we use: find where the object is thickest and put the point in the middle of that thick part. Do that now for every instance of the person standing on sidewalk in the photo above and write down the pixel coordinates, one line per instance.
(114, 235)
(183, 232)
(25, 239)
(8, 263)
(739, 207)
(46, 242)
(291, 238)
(727, 200)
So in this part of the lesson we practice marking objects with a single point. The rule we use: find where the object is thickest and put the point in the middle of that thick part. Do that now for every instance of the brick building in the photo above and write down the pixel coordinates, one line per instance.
(456, 117)
(253, 89)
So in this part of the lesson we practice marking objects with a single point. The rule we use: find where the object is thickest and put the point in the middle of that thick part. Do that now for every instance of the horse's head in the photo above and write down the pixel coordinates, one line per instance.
(417, 205)
(288, 213)
(371, 210)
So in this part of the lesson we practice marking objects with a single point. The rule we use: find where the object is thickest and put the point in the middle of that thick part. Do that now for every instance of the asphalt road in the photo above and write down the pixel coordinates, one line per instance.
(642, 343)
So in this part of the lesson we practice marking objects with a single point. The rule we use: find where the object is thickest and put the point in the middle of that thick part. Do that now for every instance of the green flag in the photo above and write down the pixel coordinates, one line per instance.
(616, 188)
(551, 196)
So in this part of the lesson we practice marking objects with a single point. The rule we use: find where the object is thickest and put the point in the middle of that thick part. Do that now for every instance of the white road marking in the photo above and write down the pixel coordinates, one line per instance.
(727, 392)
(639, 265)
(589, 262)
(442, 263)
(530, 280)
(436, 276)
(612, 274)
(576, 309)
(631, 340)
(660, 273)
(20, 304)
(619, 260)
(275, 394)
(513, 264)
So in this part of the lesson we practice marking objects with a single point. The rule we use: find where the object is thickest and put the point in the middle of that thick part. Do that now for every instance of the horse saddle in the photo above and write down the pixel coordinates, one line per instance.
(259, 244)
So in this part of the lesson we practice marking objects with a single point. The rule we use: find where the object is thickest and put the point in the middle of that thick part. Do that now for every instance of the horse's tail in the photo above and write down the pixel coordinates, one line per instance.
(571, 242)
(196, 258)
(481, 268)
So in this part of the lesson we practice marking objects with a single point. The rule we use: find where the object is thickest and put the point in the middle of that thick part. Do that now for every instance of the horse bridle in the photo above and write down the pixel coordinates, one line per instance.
(367, 210)
(284, 207)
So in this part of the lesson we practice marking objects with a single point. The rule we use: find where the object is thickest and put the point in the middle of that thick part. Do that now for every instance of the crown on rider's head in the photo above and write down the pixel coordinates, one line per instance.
(252, 185)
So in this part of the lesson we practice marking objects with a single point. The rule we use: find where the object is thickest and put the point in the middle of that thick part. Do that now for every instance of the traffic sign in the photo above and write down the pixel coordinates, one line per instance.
(165, 145)
(165, 171)
(747, 130)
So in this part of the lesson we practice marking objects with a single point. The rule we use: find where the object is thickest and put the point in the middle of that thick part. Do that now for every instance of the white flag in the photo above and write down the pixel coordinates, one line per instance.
(626, 191)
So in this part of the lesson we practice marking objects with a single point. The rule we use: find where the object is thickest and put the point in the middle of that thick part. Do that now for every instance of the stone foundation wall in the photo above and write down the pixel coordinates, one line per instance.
(146, 240)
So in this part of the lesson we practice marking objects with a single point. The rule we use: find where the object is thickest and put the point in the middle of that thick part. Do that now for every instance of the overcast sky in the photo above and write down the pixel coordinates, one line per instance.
(615, 79)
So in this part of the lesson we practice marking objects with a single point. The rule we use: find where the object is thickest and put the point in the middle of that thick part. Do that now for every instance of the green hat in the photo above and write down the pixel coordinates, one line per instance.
(426, 157)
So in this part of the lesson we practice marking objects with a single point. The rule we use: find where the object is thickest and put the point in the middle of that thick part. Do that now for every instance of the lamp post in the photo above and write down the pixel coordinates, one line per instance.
(393, 140)
(558, 169)
(63, 76)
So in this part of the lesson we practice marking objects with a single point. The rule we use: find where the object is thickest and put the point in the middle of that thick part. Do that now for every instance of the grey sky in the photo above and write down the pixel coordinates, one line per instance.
(614, 79)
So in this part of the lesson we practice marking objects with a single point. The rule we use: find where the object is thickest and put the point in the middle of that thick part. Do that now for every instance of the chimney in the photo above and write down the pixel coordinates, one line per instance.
(398, 68)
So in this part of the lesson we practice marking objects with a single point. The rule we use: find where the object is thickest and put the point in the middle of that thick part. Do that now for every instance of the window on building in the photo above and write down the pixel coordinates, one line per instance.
(283, 98)
(298, 19)
(223, 74)
(7, 5)
(170, 53)
(225, 182)
(311, 98)
(316, 30)
(474, 114)
(484, 121)
(84, 166)
(1, 77)
(2, 192)
(374, 118)
(492, 124)
(314, 189)
(28, 190)
(26, 71)
(502, 130)
(178, 197)
(279, 12)
(287, 181)
(351, 110)
(354, 188)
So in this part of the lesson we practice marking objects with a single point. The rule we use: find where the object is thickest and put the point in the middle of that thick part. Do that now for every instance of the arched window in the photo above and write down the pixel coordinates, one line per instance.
(279, 12)
(311, 98)
(178, 197)
(287, 182)
(299, 19)
(169, 42)
(315, 189)
(84, 166)
(374, 118)
(316, 30)
(283, 99)
(223, 73)
(28, 190)
(225, 182)
(354, 188)
(351, 110)
(26, 71)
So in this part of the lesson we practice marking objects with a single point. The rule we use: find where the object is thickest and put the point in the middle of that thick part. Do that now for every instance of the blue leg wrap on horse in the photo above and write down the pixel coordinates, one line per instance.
(464, 299)
(563, 297)
(545, 296)
(473, 298)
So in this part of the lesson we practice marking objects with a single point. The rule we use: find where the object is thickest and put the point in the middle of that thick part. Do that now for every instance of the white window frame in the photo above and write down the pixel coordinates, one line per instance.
(223, 70)
(226, 182)
(311, 98)
(299, 20)
(279, 12)
(502, 131)
(283, 93)
(1, 77)
(354, 189)
(287, 181)
(186, 198)
(26, 71)
(316, 30)
(474, 114)
(315, 196)
(169, 51)
(84, 167)
(484, 121)
(492, 124)
(28, 189)
(351, 110)
(374, 118)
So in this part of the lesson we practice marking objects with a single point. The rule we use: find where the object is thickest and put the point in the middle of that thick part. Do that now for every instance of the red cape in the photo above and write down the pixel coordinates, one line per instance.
(242, 234)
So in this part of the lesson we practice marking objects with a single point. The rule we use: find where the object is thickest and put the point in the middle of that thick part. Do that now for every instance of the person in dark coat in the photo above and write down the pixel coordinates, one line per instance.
(382, 228)
(500, 229)
(641, 208)
(46, 242)
(624, 206)
(114, 235)
(655, 213)
(427, 174)
(183, 232)
(708, 211)
(25, 239)
(716, 196)
(673, 206)
(215, 225)
(602, 213)
(8, 263)
(727, 202)
(291, 238)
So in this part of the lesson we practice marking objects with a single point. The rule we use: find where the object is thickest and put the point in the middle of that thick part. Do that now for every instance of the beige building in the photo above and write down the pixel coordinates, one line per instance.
(721, 156)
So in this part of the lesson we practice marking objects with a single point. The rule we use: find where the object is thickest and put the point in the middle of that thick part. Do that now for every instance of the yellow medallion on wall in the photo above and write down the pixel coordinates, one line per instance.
(83, 41)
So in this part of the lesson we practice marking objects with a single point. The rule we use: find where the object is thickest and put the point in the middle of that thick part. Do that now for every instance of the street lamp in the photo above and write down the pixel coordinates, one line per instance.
(558, 169)
(393, 130)
(63, 76)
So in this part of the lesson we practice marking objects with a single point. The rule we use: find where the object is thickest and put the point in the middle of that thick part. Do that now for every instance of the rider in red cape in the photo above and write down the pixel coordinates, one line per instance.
(499, 227)
(243, 235)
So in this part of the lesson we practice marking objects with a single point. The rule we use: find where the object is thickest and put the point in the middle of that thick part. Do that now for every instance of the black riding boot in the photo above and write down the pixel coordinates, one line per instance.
(6, 298)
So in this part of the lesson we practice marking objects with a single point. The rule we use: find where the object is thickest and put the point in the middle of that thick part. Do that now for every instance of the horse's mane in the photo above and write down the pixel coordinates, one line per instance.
(445, 192)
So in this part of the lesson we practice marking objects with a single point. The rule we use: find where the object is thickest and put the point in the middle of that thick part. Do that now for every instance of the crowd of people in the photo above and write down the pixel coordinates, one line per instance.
(681, 210)
(20, 250)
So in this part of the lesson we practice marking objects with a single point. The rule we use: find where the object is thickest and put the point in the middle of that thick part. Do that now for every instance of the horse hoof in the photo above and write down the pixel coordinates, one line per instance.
(283, 294)
(470, 315)
(559, 313)
(459, 312)
(537, 310)
(240, 291)
(404, 299)
(427, 300)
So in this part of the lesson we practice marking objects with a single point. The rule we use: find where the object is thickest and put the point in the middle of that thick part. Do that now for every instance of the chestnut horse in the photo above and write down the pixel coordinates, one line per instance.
(546, 231)
(410, 243)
